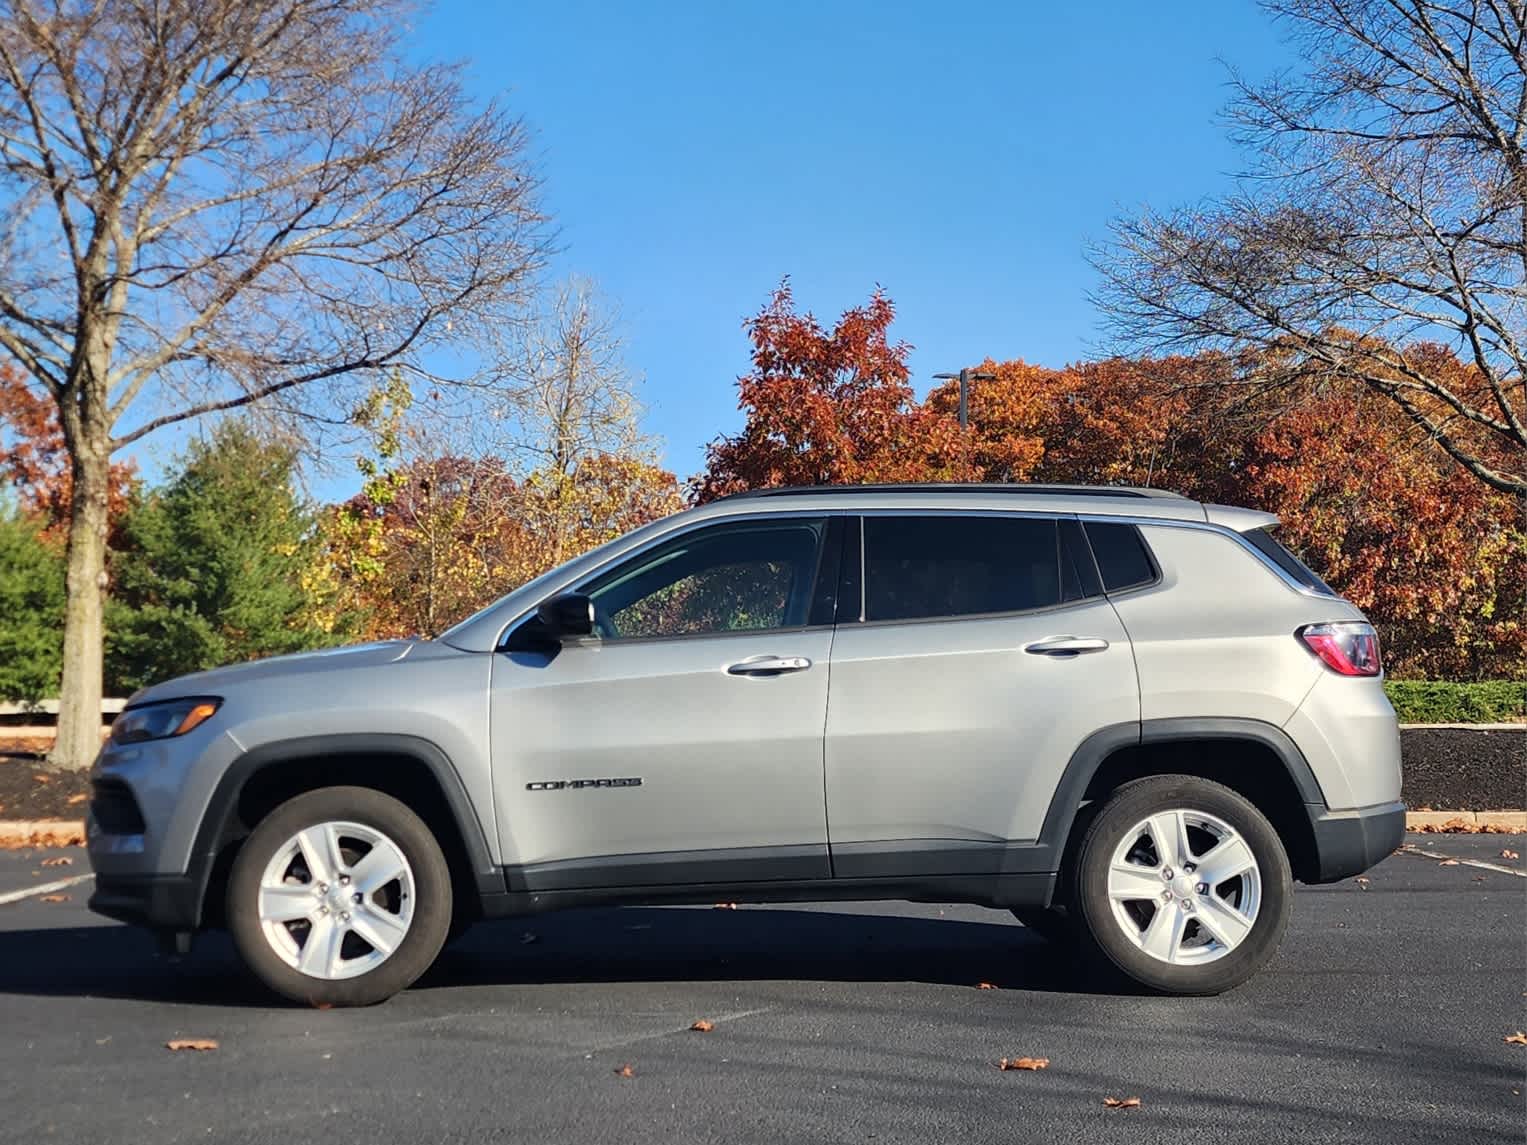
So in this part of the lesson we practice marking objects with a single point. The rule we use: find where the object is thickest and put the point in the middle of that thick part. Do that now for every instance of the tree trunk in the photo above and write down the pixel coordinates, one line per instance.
(79, 709)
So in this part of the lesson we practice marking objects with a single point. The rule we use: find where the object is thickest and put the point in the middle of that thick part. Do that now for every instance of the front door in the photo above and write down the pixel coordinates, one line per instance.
(977, 663)
(683, 742)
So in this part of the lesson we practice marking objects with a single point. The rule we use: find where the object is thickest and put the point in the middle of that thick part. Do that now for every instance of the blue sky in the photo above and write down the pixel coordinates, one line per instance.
(961, 155)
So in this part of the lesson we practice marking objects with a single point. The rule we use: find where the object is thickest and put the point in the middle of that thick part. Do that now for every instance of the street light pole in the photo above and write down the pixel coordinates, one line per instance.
(966, 376)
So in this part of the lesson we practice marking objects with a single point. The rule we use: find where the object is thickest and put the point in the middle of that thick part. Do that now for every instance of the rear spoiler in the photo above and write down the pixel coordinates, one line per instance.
(1241, 520)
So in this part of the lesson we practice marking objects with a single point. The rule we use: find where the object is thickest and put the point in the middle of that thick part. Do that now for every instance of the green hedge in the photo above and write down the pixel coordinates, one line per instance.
(1444, 702)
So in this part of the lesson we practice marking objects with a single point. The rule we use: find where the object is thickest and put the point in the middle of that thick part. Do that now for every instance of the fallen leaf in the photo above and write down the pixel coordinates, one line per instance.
(43, 779)
(323, 1005)
(58, 861)
(703, 1026)
(103, 1041)
(985, 986)
(1516, 1039)
(54, 898)
(1122, 1102)
(1509, 854)
(1361, 881)
(190, 1044)
(76, 799)
(1479, 878)
(1497, 829)
(726, 906)
(1024, 1063)
(625, 1071)
(1448, 863)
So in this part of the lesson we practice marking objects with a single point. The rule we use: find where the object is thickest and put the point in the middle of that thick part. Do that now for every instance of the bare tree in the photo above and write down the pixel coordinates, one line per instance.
(570, 392)
(213, 203)
(572, 418)
(1385, 215)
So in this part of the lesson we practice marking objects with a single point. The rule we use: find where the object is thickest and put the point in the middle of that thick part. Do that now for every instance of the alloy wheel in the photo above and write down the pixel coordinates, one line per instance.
(336, 900)
(1184, 887)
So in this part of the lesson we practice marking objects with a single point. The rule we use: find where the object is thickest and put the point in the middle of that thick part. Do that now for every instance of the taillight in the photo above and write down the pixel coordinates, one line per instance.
(1348, 647)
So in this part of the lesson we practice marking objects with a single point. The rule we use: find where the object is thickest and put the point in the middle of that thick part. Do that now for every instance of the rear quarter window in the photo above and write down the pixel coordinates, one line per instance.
(1269, 546)
(1124, 561)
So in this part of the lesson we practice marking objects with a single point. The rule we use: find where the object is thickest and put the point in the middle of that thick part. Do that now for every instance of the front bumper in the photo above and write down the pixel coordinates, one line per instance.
(1349, 842)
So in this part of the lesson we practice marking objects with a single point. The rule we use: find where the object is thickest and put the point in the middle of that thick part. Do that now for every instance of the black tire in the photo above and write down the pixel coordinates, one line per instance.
(1102, 935)
(431, 896)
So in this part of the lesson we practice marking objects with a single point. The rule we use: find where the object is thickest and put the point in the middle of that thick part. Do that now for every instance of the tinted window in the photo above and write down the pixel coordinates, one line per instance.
(729, 578)
(1122, 557)
(1285, 560)
(957, 566)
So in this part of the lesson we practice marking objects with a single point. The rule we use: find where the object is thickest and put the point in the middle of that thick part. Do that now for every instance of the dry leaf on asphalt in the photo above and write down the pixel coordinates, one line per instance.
(58, 861)
(43, 779)
(1516, 1039)
(54, 898)
(1024, 1063)
(76, 799)
(625, 1071)
(1361, 881)
(1448, 863)
(985, 986)
(1509, 854)
(190, 1044)
(1122, 1102)
(703, 1026)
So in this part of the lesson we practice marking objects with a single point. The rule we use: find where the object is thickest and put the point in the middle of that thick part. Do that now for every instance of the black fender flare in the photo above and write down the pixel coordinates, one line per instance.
(1097, 747)
(222, 806)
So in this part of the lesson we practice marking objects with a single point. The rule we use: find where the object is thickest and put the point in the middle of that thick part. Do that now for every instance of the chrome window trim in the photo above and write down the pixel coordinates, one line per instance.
(786, 511)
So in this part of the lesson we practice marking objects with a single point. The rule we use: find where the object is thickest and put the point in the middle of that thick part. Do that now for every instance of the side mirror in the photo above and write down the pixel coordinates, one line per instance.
(567, 614)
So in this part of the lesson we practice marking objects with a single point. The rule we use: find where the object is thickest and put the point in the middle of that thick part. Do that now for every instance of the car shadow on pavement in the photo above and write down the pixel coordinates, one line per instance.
(632, 944)
(654, 944)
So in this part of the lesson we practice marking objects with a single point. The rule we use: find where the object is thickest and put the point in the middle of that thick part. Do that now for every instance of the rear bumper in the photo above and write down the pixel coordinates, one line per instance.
(1349, 842)
(163, 902)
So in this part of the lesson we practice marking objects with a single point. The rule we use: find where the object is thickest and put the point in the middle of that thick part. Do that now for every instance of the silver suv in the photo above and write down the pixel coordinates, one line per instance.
(1130, 718)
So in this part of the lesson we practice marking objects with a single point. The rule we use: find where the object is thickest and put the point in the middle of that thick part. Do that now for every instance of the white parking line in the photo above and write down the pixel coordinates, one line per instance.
(42, 889)
(1411, 849)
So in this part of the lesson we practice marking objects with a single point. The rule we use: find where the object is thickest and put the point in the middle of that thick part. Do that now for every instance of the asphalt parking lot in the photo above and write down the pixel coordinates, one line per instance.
(1382, 1019)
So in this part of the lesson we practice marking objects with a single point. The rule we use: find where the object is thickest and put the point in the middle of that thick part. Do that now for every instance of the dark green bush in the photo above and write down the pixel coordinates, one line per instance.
(1444, 702)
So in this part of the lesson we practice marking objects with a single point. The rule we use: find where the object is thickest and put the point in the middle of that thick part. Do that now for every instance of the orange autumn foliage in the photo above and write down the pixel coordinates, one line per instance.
(35, 462)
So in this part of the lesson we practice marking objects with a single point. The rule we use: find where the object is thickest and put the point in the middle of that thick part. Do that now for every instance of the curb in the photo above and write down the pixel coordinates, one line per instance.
(16, 834)
(1466, 821)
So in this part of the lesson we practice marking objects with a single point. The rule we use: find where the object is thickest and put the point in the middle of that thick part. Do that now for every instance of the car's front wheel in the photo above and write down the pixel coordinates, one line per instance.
(1182, 885)
(339, 897)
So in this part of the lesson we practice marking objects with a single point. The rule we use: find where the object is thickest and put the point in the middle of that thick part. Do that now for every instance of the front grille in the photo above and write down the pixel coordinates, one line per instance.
(115, 808)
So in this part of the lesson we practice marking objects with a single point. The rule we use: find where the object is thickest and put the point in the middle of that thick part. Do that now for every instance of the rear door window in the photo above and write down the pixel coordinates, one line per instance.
(918, 567)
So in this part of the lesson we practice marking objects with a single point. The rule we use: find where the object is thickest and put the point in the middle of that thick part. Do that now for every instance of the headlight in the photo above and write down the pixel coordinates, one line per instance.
(159, 721)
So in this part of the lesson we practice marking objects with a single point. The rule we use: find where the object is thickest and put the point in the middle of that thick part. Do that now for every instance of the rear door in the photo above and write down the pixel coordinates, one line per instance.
(979, 654)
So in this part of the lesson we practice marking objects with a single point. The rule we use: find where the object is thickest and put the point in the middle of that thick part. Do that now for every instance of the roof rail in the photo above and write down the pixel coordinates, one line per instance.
(959, 487)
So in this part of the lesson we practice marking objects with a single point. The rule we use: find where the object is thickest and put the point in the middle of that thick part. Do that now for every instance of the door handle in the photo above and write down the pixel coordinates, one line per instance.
(769, 666)
(1064, 647)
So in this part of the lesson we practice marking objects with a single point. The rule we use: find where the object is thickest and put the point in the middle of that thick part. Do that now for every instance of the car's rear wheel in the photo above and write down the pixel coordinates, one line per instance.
(340, 897)
(1182, 885)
